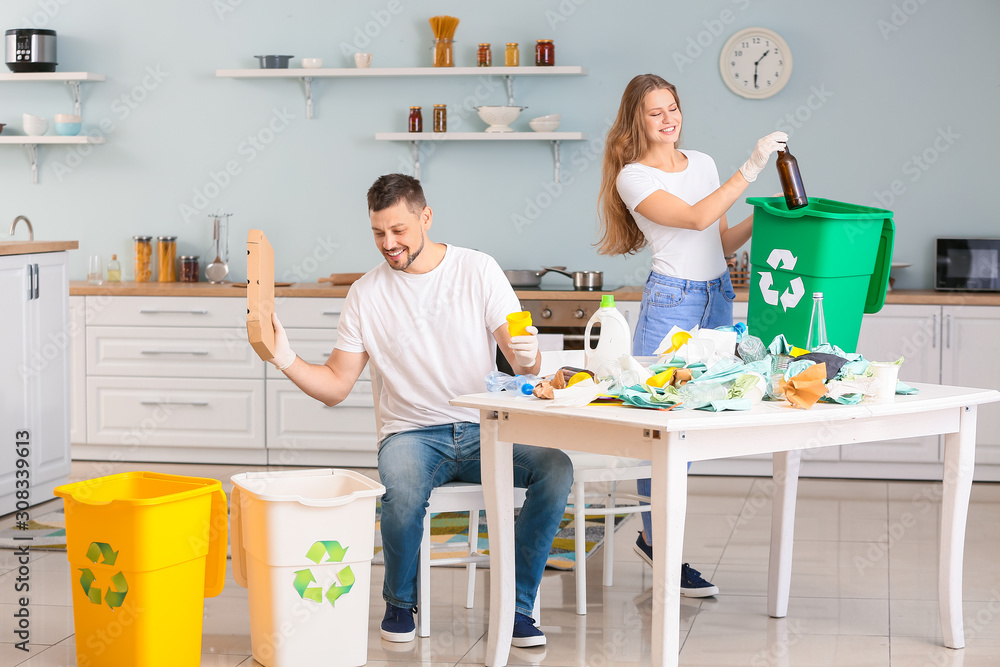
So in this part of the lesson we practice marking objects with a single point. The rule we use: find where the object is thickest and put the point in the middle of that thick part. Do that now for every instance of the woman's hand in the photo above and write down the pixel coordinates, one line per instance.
(758, 159)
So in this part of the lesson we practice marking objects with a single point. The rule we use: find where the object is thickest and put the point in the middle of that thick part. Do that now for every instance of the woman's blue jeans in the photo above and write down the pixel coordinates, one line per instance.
(670, 301)
(412, 463)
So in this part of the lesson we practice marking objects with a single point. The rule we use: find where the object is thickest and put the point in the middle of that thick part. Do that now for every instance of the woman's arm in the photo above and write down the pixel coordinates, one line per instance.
(733, 238)
(669, 210)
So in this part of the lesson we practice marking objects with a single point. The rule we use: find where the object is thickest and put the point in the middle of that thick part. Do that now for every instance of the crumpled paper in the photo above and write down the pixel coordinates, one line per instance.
(804, 389)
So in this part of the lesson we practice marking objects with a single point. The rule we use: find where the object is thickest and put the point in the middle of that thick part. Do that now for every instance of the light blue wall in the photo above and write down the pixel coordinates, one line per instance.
(875, 83)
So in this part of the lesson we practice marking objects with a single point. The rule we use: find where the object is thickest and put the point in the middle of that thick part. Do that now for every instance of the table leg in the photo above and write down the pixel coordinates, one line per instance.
(785, 473)
(668, 500)
(497, 466)
(959, 462)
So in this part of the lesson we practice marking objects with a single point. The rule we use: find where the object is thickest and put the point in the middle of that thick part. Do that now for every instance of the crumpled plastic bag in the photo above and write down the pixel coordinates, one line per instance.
(807, 387)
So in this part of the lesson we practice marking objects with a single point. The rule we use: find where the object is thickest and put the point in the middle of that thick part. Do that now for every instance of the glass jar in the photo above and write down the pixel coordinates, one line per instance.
(416, 120)
(143, 250)
(189, 268)
(166, 253)
(484, 57)
(440, 118)
(511, 56)
(444, 53)
(545, 53)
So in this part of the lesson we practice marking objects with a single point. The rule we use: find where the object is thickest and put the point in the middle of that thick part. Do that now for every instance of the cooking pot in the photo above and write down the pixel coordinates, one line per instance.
(526, 277)
(30, 50)
(592, 280)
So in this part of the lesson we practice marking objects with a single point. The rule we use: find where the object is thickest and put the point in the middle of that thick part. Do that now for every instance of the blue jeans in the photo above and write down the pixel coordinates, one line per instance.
(668, 301)
(412, 463)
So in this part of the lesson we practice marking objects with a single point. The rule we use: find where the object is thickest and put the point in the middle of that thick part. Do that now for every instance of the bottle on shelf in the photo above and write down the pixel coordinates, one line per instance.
(416, 121)
(440, 118)
(817, 324)
(114, 270)
(545, 53)
(484, 57)
(791, 180)
(511, 56)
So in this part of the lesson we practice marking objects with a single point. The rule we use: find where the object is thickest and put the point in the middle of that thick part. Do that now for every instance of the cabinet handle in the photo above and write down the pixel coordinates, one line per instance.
(37, 281)
(947, 331)
(31, 282)
(331, 312)
(144, 311)
(934, 331)
(198, 352)
(195, 403)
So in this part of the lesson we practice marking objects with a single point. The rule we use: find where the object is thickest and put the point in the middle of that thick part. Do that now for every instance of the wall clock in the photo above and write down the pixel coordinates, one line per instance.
(755, 63)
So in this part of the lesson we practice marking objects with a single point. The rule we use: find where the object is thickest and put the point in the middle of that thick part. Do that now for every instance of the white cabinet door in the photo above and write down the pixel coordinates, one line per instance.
(14, 282)
(167, 311)
(296, 421)
(970, 359)
(77, 369)
(911, 332)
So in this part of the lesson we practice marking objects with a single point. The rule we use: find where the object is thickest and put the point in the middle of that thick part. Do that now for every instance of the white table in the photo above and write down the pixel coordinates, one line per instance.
(671, 439)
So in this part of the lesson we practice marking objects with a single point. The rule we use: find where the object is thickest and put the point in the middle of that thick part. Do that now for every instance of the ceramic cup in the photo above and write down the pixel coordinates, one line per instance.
(886, 373)
(312, 63)
(363, 60)
(34, 126)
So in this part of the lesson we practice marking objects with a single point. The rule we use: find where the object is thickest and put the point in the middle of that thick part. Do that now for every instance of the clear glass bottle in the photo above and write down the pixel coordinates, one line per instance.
(791, 180)
(511, 56)
(817, 324)
(114, 270)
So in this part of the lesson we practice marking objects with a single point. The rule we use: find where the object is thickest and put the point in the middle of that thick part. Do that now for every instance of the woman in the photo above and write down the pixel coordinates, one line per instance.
(653, 193)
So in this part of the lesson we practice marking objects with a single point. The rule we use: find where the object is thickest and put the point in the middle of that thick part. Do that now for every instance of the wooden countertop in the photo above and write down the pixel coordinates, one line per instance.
(28, 247)
(321, 290)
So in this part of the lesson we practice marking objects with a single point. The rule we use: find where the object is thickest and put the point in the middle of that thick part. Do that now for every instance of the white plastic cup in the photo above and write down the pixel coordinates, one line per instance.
(887, 373)
(362, 60)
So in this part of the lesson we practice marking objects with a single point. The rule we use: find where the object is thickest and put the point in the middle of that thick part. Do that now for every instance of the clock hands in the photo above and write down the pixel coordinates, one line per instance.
(755, 67)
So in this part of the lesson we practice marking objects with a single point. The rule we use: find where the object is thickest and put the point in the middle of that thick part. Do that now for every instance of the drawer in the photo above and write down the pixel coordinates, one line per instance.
(167, 311)
(313, 345)
(309, 313)
(171, 352)
(175, 411)
(297, 421)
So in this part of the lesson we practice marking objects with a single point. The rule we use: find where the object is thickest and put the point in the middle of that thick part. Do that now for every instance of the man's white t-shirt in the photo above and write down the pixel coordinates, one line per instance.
(429, 336)
(680, 253)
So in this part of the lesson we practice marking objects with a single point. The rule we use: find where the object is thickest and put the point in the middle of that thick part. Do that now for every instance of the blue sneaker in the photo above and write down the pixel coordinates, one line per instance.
(525, 633)
(692, 583)
(397, 624)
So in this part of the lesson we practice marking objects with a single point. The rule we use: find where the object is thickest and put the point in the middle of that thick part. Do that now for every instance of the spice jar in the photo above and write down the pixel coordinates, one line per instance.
(416, 120)
(440, 118)
(189, 268)
(484, 58)
(545, 53)
(166, 254)
(143, 249)
(511, 56)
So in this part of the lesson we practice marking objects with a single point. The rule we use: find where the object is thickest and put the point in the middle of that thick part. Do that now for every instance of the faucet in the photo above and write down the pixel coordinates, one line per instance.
(31, 232)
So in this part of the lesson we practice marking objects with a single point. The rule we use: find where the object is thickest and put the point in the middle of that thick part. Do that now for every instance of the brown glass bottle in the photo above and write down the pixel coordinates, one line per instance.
(791, 180)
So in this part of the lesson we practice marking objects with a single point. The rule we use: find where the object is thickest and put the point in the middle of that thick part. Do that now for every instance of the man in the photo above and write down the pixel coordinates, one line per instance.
(428, 320)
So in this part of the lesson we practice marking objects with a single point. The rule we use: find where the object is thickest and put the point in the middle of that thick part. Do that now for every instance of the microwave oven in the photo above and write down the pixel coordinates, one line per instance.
(967, 264)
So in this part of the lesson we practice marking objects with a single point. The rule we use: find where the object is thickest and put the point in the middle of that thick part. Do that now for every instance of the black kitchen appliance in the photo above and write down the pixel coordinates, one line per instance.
(971, 264)
(30, 50)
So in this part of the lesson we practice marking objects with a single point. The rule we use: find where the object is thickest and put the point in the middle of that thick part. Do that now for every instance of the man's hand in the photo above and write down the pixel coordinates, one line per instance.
(758, 159)
(525, 348)
(283, 355)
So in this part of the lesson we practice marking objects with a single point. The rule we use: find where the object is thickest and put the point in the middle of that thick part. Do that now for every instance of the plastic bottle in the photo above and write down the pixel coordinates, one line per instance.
(114, 270)
(500, 381)
(751, 349)
(817, 324)
(614, 340)
(699, 394)
(791, 180)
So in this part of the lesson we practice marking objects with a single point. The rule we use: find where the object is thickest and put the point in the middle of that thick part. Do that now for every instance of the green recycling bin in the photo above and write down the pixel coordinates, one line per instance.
(842, 250)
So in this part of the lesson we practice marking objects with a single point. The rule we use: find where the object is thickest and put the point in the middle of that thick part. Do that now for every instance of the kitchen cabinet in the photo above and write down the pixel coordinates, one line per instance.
(34, 297)
(77, 369)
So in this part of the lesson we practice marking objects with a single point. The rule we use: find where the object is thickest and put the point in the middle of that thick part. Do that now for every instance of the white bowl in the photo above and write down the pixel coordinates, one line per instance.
(312, 63)
(34, 126)
(548, 123)
(67, 118)
(499, 118)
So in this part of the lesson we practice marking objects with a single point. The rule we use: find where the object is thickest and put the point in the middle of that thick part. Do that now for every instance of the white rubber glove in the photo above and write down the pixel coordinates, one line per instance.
(758, 160)
(525, 348)
(283, 355)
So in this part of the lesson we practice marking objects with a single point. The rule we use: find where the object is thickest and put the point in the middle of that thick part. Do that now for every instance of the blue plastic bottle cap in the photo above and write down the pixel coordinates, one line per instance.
(607, 301)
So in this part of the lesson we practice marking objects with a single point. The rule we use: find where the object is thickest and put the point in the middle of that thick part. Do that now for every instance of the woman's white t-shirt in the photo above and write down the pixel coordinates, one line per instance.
(429, 335)
(680, 253)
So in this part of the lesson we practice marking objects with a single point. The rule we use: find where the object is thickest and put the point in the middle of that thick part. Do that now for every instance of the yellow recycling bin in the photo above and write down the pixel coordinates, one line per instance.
(145, 549)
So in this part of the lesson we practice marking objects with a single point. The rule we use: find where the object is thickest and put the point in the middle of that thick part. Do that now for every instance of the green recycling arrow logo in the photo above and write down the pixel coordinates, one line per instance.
(345, 578)
(115, 596)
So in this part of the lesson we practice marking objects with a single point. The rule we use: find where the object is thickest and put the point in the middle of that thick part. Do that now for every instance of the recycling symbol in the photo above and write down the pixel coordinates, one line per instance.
(345, 578)
(795, 291)
(119, 587)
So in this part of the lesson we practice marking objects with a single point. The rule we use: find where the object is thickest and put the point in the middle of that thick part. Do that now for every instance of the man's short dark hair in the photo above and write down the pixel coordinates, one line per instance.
(390, 189)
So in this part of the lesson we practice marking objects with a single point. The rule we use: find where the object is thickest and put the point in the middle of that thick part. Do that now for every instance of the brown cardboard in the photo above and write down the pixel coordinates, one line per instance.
(260, 294)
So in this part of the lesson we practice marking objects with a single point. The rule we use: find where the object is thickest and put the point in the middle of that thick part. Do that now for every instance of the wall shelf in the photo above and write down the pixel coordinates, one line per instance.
(414, 138)
(31, 145)
(307, 75)
(71, 79)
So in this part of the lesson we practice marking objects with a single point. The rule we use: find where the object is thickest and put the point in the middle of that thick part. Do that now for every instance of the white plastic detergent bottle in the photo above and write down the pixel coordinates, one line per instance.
(614, 339)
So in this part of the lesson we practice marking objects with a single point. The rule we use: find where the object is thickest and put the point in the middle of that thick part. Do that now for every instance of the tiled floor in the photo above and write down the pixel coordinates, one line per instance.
(863, 589)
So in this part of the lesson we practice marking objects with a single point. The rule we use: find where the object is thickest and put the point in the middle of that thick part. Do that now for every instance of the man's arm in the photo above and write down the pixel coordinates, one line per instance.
(525, 349)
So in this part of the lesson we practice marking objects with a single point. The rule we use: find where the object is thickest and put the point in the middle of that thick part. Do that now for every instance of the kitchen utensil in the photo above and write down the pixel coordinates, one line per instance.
(34, 126)
(312, 63)
(30, 50)
(499, 118)
(217, 270)
(362, 60)
(589, 280)
(341, 278)
(67, 124)
(274, 62)
(525, 277)
(548, 123)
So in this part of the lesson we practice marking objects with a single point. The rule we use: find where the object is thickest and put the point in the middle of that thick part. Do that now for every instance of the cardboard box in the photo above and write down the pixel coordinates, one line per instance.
(260, 294)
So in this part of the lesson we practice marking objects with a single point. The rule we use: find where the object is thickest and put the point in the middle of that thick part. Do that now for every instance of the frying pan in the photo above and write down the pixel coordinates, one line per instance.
(526, 277)
(591, 280)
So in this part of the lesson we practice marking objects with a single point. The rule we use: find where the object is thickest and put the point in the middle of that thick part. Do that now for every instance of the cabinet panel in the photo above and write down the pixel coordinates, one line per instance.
(312, 345)
(297, 421)
(970, 359)
(309, 313)
(175, 411)
(77, 369)
(167, 311)
(171, 352)
(14, 281)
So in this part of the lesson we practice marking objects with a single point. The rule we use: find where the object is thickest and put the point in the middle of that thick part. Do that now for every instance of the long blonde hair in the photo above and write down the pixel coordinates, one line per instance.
(626, 142)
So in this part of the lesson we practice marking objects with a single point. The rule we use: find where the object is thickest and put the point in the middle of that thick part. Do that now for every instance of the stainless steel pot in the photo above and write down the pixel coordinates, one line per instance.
(582, 280)
(526, 277)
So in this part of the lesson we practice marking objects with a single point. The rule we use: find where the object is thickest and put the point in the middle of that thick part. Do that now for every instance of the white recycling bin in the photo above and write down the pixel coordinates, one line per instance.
(302, 544)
